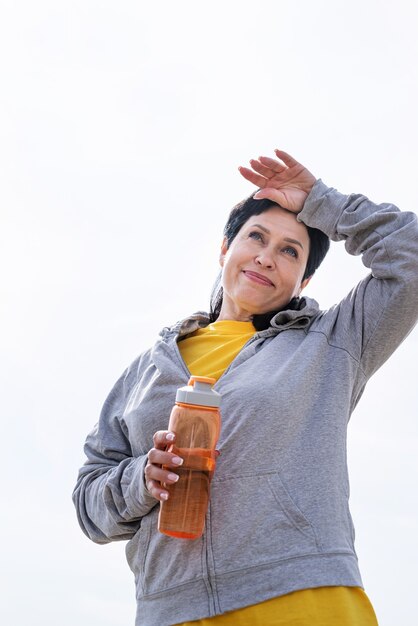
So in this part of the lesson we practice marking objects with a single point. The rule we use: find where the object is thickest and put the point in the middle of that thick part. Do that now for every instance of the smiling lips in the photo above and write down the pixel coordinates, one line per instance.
(258, 278)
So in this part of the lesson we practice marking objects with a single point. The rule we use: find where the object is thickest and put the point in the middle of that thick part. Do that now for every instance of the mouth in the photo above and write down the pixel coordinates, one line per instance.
(258, 278)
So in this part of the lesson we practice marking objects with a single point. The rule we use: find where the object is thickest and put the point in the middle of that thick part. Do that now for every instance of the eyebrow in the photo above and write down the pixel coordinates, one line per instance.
(287, 239)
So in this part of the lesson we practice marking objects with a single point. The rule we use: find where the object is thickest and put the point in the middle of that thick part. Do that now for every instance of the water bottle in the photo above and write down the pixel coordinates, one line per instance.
(195, 419)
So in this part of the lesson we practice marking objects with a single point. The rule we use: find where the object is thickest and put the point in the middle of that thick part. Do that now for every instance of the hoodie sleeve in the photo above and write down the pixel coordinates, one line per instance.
(377, 315)
(110, 495)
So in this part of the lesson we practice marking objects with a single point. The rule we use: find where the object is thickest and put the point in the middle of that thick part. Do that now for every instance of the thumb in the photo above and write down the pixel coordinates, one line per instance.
(268, 193)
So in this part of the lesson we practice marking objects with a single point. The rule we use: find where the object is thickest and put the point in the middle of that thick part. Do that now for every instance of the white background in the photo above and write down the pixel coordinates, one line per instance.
(121, 128)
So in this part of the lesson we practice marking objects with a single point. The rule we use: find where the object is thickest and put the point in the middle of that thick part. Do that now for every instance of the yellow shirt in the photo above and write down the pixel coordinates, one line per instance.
(213, 348)
(208, 352)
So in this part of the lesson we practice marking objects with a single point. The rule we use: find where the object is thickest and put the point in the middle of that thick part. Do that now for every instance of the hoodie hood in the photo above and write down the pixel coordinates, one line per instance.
(301, 315)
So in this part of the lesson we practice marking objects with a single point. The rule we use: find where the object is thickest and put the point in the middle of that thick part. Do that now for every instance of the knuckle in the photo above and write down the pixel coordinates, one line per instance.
(152, 488)
(158, 437)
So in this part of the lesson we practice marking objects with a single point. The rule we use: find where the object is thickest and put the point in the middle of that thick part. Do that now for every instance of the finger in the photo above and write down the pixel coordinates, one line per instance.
(157, 491)
(159, 474)
(273, 164)
(162, 457)
(253, 177)
(261, 169)
(286, 158)
(163, 438)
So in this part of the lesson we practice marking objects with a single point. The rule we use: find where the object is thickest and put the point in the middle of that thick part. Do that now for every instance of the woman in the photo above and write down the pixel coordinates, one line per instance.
(278, 547)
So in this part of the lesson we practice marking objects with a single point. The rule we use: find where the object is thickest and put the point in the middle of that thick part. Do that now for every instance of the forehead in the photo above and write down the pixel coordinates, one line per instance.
(280, 222)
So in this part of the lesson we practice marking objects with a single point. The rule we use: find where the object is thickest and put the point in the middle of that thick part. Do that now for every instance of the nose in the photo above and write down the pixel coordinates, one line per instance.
(264, 259)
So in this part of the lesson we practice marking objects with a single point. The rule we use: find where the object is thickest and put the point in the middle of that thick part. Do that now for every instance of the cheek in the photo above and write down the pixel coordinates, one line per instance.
(293, 280)
(227, 277)
(231, 262)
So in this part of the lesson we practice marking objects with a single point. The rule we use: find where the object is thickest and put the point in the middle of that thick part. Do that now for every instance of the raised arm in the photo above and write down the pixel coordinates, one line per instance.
(382, 309)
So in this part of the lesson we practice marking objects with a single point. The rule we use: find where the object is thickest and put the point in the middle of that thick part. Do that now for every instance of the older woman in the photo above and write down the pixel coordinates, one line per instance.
(278, 547)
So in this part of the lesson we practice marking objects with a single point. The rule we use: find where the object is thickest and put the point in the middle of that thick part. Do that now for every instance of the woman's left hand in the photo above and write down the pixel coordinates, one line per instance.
(282, 180)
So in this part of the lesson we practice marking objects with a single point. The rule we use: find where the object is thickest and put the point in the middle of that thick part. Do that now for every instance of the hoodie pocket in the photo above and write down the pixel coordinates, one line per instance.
(160, 562)
(255, 521)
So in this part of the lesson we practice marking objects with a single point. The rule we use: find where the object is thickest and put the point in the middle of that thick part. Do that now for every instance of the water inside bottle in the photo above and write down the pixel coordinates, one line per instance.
(188, 501)
(197, 430)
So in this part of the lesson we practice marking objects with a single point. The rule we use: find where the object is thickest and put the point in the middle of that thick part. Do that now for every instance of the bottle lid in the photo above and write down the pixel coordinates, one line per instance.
(199, 391)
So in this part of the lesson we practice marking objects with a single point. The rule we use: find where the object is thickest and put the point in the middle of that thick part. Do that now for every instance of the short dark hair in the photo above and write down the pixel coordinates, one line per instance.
(318, 247)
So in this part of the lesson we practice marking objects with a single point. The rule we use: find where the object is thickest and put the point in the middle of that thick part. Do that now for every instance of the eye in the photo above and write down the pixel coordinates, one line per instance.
(255, 234)
(292, 251)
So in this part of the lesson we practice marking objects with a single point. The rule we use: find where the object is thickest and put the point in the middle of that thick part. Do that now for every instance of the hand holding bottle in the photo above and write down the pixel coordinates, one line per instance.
(158, 456)
(195, 420)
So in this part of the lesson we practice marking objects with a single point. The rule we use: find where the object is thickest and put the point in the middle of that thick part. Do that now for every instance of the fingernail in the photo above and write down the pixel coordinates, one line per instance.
(176, 460)
(257, 197)
(173, 477)
(164, 496)
(170, 436)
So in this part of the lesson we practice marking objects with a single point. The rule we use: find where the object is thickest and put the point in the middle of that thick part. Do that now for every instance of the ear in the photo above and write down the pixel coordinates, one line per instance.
(224, 250)
(304, 283)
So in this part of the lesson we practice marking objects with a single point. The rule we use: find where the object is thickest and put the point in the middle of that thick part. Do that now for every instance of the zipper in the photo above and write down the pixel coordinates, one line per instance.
(210, 566)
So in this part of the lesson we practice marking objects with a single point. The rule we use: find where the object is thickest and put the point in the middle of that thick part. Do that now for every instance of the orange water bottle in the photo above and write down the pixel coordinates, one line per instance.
(196, 422)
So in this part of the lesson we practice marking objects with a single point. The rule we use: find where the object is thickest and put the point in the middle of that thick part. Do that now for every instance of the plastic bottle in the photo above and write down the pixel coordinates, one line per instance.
(195, 419)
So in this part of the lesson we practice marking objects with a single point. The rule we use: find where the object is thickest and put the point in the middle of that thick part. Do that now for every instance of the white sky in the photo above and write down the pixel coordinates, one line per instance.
(121, 128)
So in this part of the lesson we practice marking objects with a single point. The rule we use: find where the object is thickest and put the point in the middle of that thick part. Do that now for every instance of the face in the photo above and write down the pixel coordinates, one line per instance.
(263, 267)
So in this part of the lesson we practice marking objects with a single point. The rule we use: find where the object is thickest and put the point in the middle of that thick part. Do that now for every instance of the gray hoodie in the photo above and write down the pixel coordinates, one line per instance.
(278, 519)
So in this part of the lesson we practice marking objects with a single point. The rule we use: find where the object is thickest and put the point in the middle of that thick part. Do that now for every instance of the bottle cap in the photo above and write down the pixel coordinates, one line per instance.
(199, 391)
